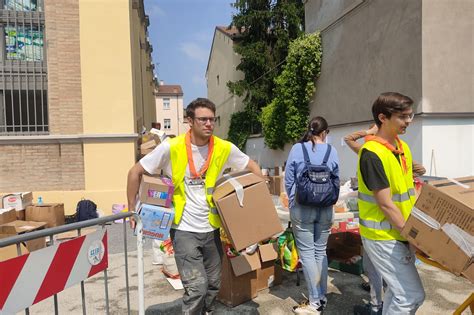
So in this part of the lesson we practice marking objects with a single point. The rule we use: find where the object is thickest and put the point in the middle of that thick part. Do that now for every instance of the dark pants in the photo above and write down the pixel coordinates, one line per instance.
(198, 257)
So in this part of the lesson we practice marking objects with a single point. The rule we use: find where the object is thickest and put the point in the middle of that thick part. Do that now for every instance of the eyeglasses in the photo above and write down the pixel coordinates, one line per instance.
(406, 117)
(204, 120)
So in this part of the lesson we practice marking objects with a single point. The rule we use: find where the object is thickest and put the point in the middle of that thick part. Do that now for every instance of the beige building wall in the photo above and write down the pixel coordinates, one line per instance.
(174, 114)
(220, 70)
(101, 84)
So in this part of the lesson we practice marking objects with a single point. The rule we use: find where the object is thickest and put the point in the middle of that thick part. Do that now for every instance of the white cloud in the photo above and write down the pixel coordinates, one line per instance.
(194, 51)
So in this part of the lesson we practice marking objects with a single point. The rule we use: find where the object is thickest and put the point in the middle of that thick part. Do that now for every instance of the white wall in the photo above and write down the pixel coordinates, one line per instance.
(451, 140)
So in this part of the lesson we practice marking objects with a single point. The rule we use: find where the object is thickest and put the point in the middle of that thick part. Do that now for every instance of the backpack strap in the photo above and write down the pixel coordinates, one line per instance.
(326, 156)
(305, 154)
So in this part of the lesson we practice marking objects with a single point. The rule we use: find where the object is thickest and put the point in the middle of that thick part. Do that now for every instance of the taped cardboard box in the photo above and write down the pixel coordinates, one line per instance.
(18, 201)
(51, 213)
(246, 209)
(20, 227)
(442, 224)
(9, 252)
(438, 245)
(156, 191)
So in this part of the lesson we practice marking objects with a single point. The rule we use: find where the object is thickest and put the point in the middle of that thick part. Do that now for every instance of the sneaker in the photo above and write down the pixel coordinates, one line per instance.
(366, 310)
(323, 303)
(305, 308)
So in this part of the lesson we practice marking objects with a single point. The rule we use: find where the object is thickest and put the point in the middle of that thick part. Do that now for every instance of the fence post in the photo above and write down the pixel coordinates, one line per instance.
(141, 284)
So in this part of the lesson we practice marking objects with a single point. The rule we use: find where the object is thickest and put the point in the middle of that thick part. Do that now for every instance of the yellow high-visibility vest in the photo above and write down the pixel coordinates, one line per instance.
(179, 161)
(373, 223)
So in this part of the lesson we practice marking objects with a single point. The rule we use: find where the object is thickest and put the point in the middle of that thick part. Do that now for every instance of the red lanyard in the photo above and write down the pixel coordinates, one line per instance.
(189, 151)
(389, 146)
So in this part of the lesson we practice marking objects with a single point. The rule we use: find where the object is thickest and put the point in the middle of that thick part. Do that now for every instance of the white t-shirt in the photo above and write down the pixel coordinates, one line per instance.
(196, 211)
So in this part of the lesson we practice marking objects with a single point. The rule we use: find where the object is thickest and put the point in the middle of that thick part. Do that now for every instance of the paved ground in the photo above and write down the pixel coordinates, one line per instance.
(444, 291)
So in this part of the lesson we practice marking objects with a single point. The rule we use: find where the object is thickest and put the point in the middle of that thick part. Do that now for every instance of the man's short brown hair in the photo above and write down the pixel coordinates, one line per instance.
(388, 103)
(199, 102)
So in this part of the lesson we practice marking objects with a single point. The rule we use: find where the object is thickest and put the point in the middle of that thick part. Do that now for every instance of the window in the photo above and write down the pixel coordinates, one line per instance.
(166, 103)
(167, 124)
(22, 5)
(23, 43)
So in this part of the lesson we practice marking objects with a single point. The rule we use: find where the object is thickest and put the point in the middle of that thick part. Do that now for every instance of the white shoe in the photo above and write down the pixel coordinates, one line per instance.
(305, 308)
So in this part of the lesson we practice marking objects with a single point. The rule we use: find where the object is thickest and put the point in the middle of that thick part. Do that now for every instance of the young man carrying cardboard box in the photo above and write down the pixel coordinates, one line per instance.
(194, 162)
(386, 198)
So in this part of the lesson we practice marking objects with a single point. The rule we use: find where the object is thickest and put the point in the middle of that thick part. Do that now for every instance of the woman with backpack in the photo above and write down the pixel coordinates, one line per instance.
(312, 185)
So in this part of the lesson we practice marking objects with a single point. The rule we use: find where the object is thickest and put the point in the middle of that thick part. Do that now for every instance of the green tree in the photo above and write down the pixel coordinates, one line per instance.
(266, 28)
(286, 117)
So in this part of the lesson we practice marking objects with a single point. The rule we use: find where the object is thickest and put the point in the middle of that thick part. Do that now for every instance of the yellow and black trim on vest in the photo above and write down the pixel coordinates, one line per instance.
(373, 223)
(179, 162)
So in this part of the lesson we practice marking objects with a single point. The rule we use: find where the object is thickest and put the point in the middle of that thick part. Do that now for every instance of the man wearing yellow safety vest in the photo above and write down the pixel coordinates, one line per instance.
(386, 197)
(194, 162)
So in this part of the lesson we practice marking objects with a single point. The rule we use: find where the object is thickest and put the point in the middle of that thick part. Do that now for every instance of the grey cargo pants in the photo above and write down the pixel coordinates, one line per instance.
(198, 257)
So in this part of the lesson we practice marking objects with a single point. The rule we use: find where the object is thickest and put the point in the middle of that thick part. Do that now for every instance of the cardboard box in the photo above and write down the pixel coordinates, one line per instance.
(234, 289)
(245, 263)
(448, 202)
(246, 209)
(21, 227)
(51, 213)
(156, 191)
(444, 202)
(21, 215)
(277, 185)
(7, 215)
(269, 274)
(156, 221)
(19, 201)
(344, 251)
(9, 252)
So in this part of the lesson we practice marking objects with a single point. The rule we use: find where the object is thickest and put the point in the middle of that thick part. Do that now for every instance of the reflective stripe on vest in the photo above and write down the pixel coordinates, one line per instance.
(395, 197)
(373, 223)
(179, 163)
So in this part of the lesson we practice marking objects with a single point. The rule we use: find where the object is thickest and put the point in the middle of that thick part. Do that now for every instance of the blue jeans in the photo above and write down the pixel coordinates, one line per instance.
(311, 227)
(395, 262)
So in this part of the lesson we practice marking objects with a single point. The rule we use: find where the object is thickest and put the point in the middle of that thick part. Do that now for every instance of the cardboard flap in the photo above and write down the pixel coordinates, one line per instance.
(7, 215)
(461, 189)
(245, 263)
(224, 187)
(268, 252)
(18, 227)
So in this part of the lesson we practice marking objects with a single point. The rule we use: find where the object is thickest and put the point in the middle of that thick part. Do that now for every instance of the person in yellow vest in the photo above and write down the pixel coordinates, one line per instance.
(194, 162)
(386, 197)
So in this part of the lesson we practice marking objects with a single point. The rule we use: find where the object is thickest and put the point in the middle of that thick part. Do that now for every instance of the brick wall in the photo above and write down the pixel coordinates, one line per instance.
(64, 66)
(41, 167)
(54, 166)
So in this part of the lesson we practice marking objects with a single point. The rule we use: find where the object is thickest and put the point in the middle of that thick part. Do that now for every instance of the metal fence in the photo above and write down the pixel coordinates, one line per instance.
(50, 232)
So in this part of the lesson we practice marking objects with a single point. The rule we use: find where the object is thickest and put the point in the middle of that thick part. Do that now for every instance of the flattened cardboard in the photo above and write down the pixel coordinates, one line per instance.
(156, 191)
(447, 202)
(52, 214)
(245, 263)
(7, 215)
(18, 201)
(257, 220)
(236, 290)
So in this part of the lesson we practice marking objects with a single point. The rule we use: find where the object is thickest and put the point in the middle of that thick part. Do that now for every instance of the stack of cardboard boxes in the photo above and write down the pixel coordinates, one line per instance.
(156, 209)
(275, 180)
(248, 217)
(150, 140)
(18, 216)
(442, 224)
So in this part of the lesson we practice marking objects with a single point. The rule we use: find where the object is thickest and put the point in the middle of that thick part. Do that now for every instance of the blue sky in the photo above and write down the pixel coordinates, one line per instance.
(181, 33)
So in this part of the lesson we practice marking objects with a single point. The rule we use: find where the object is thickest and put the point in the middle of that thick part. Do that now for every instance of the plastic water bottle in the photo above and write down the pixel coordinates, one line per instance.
(40, 201)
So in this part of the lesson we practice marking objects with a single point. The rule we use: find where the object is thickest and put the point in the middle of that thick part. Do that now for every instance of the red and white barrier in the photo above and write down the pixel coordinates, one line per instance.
(28, 279)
